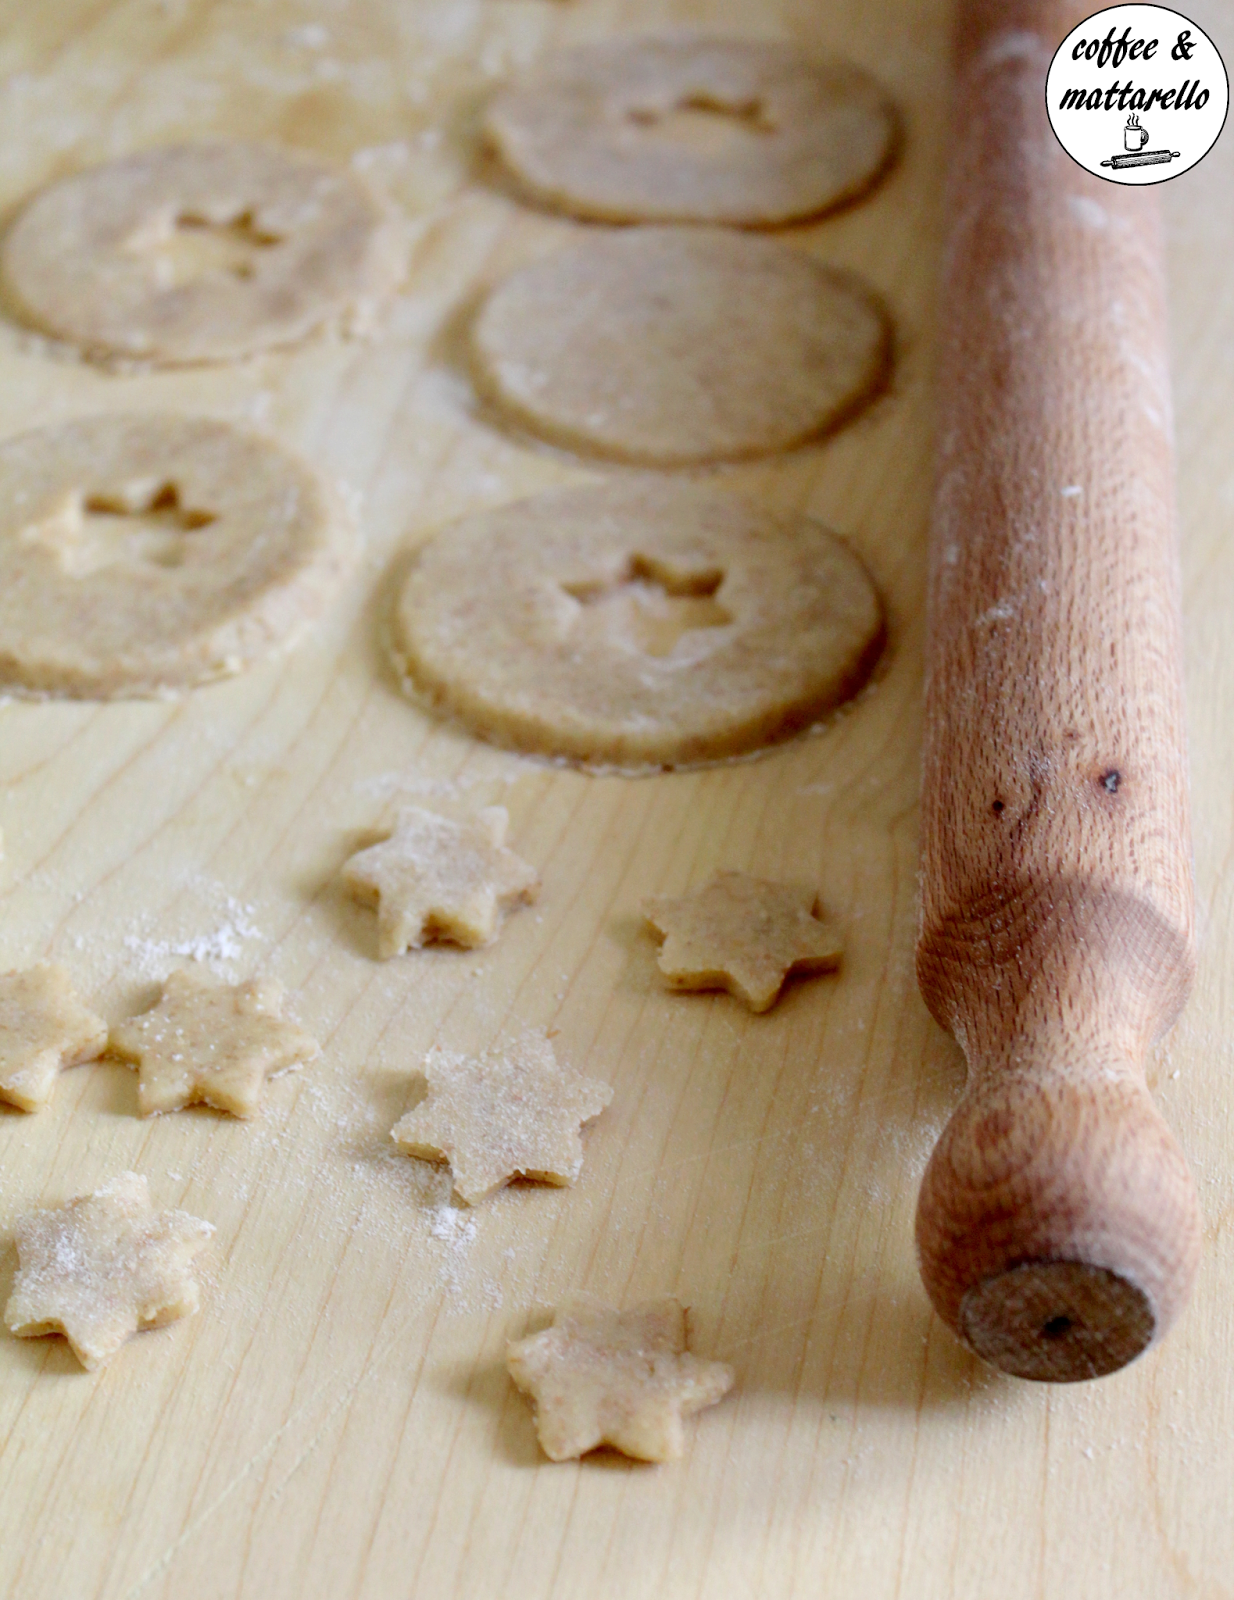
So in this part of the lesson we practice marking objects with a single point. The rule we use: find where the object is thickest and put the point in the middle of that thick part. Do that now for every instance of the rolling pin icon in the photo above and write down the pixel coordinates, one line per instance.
(1058, 1226)
(1142, 158)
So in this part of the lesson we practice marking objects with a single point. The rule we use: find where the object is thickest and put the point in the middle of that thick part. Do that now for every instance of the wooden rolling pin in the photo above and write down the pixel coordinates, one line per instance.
(1058, 1227)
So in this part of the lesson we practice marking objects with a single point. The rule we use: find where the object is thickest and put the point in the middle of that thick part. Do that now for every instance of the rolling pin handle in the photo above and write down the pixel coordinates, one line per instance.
(1058, 1229)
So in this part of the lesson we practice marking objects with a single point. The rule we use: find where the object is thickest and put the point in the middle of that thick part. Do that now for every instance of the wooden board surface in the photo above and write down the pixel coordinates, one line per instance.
(337, 1421)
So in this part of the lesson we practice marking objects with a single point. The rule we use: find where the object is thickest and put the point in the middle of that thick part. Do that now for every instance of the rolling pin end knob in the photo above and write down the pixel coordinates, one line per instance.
(1057, 1321)
(1058, 1227)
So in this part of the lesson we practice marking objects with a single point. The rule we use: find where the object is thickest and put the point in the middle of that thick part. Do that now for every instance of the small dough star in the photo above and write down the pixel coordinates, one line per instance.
(43, 1027)
(103, 1266)
(438, 879)
(744, 935)
(622, 1378)
(513, 1112)
(212, 1042)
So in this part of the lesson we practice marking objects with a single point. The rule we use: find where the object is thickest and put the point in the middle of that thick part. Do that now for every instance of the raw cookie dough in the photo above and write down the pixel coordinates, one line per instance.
(103, 1266)
(676, 346)
(141, 554)
(202, 252)
(43, 1028)
(744, 935)
(621, 1378)
(693, 129)
(512, 1112)
(637, 623)
(438, 879)
(212, 1043)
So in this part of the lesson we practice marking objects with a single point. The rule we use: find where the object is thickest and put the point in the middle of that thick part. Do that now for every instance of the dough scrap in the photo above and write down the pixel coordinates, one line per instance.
(621, 1378)
(199, 252)
(678, 346)
(685, 128)
(438, 879)
(645, 622)
(102, 1267)
(514, 1111)
(142, 554)
(211, 1043)
(742, 934)
(43, 1028)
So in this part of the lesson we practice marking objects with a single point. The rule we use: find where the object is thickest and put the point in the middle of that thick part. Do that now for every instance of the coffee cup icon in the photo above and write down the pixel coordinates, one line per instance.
(1135, 137)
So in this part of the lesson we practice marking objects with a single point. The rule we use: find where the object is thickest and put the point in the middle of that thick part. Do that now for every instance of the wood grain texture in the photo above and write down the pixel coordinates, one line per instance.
(1058, 1225)
(337, 1422)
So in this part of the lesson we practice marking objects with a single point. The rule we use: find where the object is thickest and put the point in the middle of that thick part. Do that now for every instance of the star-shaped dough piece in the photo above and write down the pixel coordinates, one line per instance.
(438, 879)
(103, 1266)
(211, 1042)
(512, 1112)
(623, 1378)
(744, 935)
(43, 1027)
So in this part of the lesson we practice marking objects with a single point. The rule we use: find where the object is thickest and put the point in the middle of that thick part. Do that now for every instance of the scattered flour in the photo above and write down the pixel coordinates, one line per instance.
(309, 36)
(259, 407)
(453, 1227)
(231, 927)
(221, 944)
(393, 787)
(352, 497)
(375, 157)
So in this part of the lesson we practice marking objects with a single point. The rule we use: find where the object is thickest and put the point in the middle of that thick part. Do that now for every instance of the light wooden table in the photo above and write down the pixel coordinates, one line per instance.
(337, 1421)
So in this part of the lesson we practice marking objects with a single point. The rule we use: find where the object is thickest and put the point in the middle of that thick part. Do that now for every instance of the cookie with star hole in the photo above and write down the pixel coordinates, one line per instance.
(103, 1267)
(692, 128)
(742, 934)
(622, 1378)
(44, 1028)
(637, 623)
(201, 252)
(437, 879)
(513, 1111)
(211, 1043)
(142, 555)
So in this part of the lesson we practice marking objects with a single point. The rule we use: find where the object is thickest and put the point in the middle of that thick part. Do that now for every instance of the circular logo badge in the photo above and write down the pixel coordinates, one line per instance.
(1137, 94)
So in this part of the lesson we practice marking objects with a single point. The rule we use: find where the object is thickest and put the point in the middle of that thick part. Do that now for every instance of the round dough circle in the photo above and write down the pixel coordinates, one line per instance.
(637, 623)
(677, 346)
(284, 244)
(598, 131)
(243, 545)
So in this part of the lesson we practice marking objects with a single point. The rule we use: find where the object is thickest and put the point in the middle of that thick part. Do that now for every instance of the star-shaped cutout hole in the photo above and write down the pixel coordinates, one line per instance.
(43, 1028)
(143, 522)
(438, 879)
(621, 1378)
(651, 604)
(705, 123)
(213, 1043)
(742, 934)
(512, 1112)
(182, 247)
(103, 1266)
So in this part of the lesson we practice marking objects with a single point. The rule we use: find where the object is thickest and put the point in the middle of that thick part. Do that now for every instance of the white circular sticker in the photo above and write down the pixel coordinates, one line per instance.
(1137, 94)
